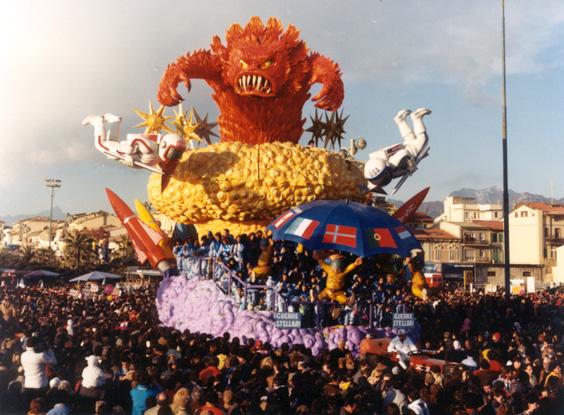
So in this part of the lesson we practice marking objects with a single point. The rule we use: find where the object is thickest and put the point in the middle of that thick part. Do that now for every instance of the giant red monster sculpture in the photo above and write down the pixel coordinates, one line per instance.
(261, 79)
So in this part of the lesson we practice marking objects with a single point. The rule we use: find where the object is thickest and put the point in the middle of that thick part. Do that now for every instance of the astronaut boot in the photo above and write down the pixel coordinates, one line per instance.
(404, 128)
(401, 116)
(417, 118)
(420, 113)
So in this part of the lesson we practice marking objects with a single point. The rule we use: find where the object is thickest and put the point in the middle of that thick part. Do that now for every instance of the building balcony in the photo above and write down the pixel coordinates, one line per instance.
(477, 260)
(558, 241)
(549, 263)
(475, 241)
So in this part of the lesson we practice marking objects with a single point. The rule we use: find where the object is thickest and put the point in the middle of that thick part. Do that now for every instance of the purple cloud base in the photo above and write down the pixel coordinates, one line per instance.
(199, 306)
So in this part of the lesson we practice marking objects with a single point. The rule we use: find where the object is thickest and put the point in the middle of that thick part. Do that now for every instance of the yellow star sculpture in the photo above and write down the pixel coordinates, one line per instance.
(186, 127)
(154, 121)
(179, 119)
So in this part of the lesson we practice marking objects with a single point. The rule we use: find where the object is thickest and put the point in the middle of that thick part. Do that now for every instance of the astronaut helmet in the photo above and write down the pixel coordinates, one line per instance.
(171, 147)
(377, 172)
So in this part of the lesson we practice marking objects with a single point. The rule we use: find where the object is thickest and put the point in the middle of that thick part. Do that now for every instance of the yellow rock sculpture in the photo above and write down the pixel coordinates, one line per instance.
(243, 187)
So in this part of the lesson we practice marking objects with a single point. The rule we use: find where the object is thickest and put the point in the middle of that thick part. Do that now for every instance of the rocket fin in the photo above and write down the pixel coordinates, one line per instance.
(144, 214)
(141, 257)
(155, 236)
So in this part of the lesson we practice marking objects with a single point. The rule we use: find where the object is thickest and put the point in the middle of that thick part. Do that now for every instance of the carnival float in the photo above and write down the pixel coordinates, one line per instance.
(257, 174)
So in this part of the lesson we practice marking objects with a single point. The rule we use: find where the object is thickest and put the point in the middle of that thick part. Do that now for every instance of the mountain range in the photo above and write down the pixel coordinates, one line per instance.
(493, 194)
(58, 214)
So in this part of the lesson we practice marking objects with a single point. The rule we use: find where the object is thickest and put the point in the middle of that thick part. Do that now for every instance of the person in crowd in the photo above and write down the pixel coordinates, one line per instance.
(177, 251)
(181, 402)
(161, 401)
(216, 247)
(34, 364)
(141, 392)
(403, 346)
(93, 379)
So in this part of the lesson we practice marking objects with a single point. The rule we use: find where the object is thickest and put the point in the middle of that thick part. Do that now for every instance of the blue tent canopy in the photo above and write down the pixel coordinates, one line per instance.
(96, 276)
(40, 273)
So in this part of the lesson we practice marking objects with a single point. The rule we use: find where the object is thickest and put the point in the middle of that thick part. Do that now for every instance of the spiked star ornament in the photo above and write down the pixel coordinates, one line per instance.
(317, 129)
(204, 129)
(179, 119)
(154, 121)
(186, 126)
(339, 126)
(334, 129)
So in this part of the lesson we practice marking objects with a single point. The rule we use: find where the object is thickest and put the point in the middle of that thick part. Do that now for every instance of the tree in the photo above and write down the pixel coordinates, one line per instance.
(45, 257)
(79, 250)
(124, 253)
(9, 258)
(26, 254)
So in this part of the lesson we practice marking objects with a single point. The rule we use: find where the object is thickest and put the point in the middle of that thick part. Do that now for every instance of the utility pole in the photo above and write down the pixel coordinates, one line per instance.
(52, 184)
(507, 263)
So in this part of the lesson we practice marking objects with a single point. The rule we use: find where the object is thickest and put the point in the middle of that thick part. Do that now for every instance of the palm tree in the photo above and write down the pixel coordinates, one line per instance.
(123, 255)
(26, 254)
(79, 248)
(9, 258)
(45, 257)
(125, 250)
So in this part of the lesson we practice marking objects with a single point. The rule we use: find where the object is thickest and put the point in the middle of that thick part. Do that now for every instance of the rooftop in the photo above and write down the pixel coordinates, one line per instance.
(469, 225)
(34, 219)
(494, 225)
(547, 208)
(433, 233)
(421, 217)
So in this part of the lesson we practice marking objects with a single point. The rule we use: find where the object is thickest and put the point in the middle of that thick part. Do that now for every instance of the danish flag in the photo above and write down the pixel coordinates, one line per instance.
(340, 235)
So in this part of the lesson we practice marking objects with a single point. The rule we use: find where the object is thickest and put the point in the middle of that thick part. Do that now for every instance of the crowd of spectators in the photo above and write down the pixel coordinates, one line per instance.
(61, 355)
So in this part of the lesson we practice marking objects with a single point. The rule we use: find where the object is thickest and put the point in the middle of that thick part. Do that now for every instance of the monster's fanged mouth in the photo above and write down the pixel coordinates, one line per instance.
(254, 85)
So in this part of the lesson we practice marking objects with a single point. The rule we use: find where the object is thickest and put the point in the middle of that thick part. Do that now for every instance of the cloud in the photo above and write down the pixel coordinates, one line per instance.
(453, 42)
(63, 60)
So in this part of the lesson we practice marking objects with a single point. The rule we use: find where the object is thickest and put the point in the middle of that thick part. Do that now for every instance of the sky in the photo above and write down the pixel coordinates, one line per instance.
(62, 60)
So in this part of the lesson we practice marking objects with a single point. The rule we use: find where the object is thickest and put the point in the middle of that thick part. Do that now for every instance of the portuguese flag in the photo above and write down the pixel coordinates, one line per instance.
(380, 238)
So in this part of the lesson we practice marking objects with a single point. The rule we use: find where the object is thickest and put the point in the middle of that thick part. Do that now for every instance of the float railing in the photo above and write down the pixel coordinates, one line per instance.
(249, 296)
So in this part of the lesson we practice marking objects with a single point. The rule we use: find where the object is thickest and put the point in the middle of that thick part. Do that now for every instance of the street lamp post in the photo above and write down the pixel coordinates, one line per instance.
(504, 141)
(52, 184)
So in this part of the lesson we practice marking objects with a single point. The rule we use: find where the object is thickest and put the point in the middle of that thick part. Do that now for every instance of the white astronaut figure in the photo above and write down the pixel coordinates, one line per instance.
(148, 151)
(399, 160)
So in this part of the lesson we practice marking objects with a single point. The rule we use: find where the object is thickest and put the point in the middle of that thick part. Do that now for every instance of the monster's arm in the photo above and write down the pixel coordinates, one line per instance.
(201, 64)
(327, 73)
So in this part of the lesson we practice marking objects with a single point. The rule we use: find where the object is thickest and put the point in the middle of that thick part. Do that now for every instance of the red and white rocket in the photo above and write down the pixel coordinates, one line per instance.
(408, 209)
(145, 239)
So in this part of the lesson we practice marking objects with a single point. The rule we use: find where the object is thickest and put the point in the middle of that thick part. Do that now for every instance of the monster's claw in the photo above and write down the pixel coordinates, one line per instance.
(175, 95)
(187, 83)
(320, 95)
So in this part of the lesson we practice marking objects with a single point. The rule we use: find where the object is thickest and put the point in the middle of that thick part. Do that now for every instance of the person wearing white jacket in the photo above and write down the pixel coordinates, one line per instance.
(402, 345)
(34, 366)
(92, 379)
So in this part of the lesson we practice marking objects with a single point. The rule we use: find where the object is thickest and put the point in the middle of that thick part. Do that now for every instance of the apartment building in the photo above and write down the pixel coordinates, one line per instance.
(536, 231)
(466, 209)
(438, 245)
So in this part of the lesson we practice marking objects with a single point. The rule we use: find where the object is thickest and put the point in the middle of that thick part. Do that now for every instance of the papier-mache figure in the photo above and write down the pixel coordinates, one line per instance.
(399, 160)
(415, 264)
(336, 276)
(151, 151)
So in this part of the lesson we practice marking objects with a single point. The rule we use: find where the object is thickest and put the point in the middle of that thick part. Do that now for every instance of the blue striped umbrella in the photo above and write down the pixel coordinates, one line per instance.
(345, 226)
